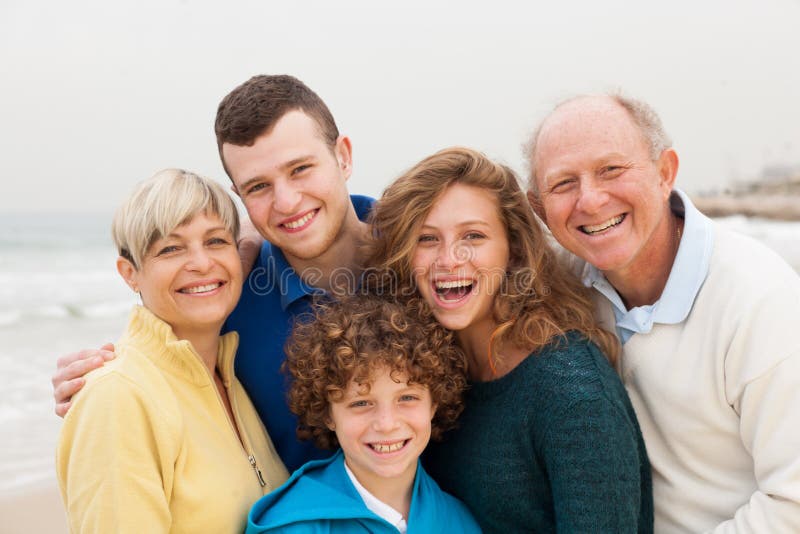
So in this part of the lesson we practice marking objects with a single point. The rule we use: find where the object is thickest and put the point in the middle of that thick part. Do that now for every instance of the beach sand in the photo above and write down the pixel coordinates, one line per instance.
(34, 509)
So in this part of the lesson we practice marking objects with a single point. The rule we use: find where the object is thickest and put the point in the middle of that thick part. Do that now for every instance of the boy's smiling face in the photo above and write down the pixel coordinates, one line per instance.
(383, 426)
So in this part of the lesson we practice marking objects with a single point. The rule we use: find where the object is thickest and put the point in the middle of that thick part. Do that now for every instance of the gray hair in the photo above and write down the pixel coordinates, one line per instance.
(160, 204)
(643, 115)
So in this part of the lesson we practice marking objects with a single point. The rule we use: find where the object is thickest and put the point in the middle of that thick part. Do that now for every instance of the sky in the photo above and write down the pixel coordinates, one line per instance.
(97, 95)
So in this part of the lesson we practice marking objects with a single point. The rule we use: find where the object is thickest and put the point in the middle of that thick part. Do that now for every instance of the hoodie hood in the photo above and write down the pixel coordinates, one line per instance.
(321, 492)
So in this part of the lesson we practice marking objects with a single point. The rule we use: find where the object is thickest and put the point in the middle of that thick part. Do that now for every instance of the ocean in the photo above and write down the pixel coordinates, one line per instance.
(60, 292)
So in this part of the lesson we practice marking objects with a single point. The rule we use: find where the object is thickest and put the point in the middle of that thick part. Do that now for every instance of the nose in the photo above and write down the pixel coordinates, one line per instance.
(385, 419)
(286, 197)
(593, 196)
(199, 260)
(451, 255)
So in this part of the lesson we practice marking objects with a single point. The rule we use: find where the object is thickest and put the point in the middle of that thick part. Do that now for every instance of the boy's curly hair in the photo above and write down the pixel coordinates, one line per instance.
(348, 339)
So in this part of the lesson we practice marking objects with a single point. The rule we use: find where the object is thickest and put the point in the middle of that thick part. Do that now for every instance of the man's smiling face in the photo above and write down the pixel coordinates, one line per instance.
(600, 192)
(293, 185)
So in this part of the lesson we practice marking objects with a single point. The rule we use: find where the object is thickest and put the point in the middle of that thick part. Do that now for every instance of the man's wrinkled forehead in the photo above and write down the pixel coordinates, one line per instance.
(594, 119)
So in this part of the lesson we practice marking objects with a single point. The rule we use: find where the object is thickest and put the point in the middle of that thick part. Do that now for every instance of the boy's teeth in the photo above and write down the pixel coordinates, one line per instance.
(201, 289)
(300, 222)
(453, 283)
(380, 447)
(591, 229)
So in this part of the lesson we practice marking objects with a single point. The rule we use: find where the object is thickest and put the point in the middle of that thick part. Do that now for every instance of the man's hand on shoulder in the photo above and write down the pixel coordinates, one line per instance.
(249, 245)
(70, 370)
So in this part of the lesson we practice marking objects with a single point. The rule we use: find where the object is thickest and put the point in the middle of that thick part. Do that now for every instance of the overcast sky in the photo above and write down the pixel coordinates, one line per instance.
(97, 95)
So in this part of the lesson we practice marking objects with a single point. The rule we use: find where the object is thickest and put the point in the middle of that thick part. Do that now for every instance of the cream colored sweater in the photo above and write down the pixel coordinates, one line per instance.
(718, 397)
(148, 447)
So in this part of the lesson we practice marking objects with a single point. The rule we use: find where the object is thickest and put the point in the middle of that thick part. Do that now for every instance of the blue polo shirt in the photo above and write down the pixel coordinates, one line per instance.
(272, 297)
(689, 271)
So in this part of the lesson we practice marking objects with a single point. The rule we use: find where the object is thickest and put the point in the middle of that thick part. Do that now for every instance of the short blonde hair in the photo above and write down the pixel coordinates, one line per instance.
(160, 204)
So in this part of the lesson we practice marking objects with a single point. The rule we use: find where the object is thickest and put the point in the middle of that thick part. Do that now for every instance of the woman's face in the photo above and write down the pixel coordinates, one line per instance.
(461, 257)
(192, 278)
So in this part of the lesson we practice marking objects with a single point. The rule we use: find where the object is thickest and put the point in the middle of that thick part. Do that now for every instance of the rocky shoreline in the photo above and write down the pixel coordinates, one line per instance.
(770, 199)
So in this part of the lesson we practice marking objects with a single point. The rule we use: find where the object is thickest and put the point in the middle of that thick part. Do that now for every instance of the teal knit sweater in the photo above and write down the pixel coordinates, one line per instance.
(553, 446)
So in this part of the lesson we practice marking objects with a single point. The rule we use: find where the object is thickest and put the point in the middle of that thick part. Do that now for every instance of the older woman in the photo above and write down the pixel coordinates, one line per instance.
(164, 437)
(548, 440)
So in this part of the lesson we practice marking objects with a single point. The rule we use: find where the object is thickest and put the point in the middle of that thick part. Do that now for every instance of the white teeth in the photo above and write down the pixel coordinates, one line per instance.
(301, 221)
(380, 447)
(452, 284)
(602, 226)
(201, 289)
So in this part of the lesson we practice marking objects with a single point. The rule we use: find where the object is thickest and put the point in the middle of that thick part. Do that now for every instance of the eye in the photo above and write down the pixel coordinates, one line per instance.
(300, 168)
(611, 171)
(255, 188)
(219, 241)
(563, 185)
(167, 250)
(408, 397)
(426, 238)
(474, 235)
(358, 404)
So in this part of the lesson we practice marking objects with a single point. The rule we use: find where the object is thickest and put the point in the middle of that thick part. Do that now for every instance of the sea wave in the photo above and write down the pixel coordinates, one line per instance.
(89, 310)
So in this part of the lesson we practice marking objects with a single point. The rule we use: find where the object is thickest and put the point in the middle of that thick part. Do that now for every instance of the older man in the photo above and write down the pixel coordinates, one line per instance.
(709, 319)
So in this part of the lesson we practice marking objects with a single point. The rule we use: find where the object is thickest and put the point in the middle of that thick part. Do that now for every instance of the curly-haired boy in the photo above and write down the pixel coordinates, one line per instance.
(377, 379)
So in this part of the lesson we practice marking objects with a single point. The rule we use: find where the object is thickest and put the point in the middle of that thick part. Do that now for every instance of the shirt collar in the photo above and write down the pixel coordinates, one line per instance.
(377, 506)
(688, 273)
(293, 287)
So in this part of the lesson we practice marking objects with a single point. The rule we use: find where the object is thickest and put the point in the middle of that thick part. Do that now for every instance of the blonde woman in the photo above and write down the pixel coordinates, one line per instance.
(164, 438)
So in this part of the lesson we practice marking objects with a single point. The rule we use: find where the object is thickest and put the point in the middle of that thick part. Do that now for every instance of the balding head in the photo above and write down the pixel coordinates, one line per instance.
(595, 111)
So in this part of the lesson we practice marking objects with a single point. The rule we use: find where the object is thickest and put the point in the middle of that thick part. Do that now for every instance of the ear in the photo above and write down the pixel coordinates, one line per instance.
(344, 155)
(536, 203)
(667, 170)
(128, 273)
(330, 424)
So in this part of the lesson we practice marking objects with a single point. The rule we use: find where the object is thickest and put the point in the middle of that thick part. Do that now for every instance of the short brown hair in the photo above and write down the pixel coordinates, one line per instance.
(253, 108)
(348, 339)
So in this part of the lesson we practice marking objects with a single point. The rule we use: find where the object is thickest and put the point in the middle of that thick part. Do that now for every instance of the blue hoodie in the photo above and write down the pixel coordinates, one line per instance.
(319, 498)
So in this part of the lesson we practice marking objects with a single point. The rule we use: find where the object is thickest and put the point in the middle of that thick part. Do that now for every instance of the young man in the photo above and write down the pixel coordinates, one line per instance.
(707, 318)
(287, 161)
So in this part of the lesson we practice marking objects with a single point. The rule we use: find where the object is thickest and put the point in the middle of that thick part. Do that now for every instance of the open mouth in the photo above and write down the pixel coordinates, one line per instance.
(602, 227)
(205, 288)
(301, 222)
(453, 290)
(385, 448)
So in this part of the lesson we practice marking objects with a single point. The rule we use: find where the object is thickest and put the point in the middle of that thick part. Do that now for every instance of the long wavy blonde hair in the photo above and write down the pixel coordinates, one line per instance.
(540, 298)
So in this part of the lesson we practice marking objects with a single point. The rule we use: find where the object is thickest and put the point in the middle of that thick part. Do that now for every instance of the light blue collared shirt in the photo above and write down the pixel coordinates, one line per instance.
(688, 273)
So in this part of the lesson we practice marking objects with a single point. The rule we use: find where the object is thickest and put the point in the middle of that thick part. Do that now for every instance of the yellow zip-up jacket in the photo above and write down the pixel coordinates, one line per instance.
(147, 445)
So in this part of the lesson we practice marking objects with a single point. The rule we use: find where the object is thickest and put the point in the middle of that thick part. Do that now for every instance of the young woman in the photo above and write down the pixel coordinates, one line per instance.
(164, 438)
(548, 440)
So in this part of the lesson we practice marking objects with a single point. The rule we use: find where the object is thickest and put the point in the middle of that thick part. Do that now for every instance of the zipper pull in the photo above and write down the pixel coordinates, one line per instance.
(252, 460)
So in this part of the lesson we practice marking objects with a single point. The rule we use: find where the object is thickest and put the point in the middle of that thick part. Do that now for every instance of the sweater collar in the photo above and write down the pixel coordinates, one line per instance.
(156, 340)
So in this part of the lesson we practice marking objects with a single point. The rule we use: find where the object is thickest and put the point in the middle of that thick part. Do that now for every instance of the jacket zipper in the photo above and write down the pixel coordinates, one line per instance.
(242, 437)
(257, 470)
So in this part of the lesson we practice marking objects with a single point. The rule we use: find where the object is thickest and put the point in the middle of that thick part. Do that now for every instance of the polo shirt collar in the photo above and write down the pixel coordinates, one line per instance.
(688, 273)
(292, 287)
